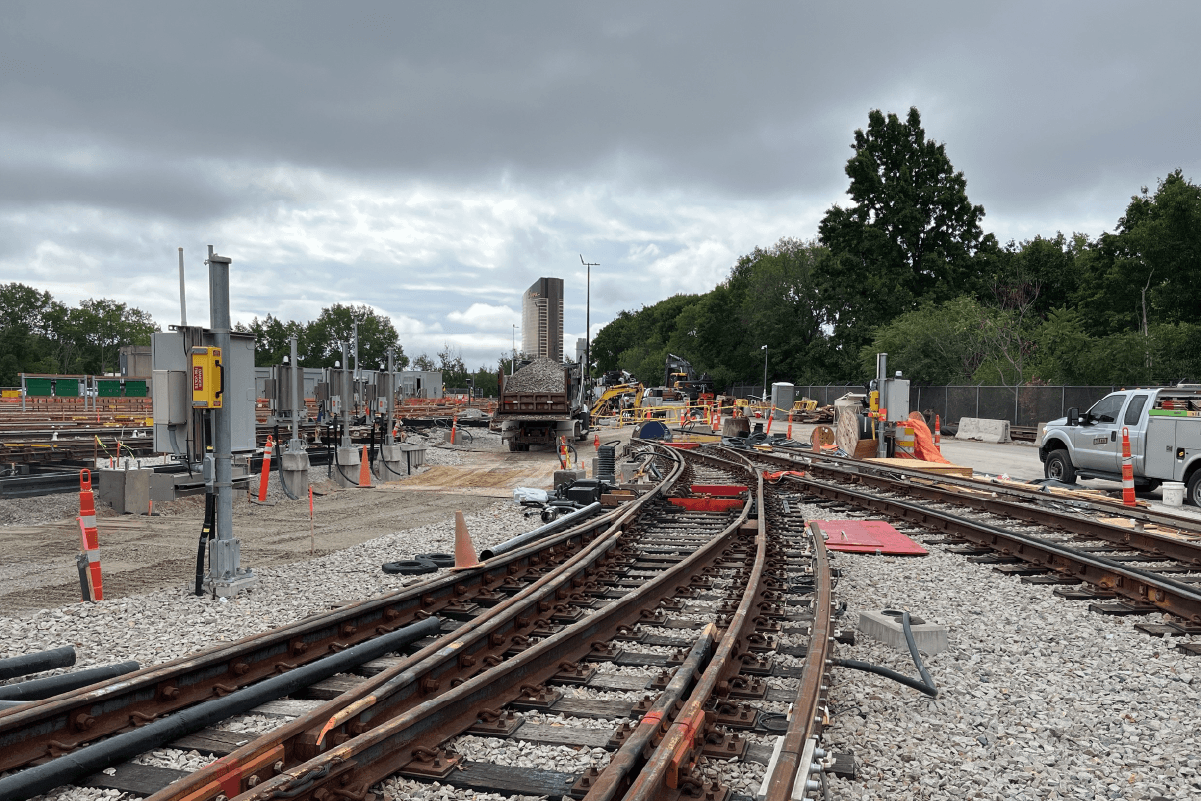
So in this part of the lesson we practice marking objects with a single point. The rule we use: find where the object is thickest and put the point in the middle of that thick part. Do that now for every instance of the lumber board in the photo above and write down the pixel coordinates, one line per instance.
(549, 734)
(140, 780)
(484, 777)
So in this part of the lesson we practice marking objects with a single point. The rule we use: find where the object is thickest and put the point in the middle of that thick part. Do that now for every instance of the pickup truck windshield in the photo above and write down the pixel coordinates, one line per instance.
(1106, 410)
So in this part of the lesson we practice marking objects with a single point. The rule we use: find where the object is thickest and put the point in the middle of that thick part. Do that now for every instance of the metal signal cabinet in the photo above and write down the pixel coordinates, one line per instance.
(172, 389)
(207, 379)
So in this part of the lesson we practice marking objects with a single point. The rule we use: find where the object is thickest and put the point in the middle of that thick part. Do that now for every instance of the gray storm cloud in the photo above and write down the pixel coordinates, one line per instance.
(429, 159)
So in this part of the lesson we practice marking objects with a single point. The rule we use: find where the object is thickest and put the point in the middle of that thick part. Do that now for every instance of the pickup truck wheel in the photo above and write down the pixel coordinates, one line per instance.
(1059, 467)
(1192, 492)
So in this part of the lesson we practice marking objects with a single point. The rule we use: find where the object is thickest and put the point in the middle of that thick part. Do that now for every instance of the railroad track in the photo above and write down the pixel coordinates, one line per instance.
(664, 617)
(1131, 561)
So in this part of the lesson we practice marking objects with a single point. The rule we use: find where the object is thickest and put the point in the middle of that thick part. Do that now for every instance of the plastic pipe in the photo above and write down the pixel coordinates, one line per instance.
(40, 779)
(529, 536)
(40, 689)
(35, 663)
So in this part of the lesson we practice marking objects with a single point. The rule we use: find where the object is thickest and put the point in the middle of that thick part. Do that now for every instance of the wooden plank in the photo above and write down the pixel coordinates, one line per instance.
(548, 734)
(485, 777)
(141, 780)
(937, 468)
(583, 708)
(213, 741)
(331, 688)
(285, 708)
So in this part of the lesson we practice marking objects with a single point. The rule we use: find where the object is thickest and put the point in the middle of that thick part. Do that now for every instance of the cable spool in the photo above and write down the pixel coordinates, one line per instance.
(606, 463)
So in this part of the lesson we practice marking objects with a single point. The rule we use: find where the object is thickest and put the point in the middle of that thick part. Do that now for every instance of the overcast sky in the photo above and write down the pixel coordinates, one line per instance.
(434, 159)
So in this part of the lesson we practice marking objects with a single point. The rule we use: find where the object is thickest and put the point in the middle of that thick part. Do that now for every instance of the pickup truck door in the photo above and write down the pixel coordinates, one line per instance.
(1134, 421)
(1098, 445)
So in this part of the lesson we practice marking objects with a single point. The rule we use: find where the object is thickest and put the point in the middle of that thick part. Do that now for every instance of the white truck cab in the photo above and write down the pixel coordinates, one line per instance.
(1164, 429)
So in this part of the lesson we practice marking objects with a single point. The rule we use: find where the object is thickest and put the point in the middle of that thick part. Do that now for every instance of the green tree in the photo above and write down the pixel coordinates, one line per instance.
(909, 233)
(25, 315)
(91, 336)
(335, 324)
(271, 339)
(939, 343)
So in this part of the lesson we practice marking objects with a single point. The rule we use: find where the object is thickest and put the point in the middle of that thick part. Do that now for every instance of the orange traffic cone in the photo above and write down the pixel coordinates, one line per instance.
(364, 470)
(790, 425)
(266, 472)
(1128, 498)
(596, 441)
(717, 421)
(454, 429)
(465, 557)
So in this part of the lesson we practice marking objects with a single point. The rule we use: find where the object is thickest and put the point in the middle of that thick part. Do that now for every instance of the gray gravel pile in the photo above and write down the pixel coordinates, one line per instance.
(42, 509)
(1040, 698)
(540, 375)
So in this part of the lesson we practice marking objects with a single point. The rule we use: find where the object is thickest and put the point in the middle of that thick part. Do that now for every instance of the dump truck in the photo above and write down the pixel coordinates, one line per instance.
(1163, 426)
(540, 402)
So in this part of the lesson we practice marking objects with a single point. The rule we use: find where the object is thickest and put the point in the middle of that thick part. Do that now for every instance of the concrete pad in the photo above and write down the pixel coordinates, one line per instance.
(930, 637)
(984, 430)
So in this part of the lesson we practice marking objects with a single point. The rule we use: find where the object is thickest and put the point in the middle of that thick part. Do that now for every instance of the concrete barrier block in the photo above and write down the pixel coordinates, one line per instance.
(137, 491)
(885, 626)
(983, 430)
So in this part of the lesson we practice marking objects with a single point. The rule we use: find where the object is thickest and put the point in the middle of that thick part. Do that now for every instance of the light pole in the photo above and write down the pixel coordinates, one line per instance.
(764, 349)
(588, 321)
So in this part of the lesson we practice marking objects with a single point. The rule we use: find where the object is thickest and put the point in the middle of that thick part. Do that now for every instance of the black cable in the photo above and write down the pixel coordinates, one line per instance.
(206, 534)
(343, 472)
(279, 459)
(925, 685)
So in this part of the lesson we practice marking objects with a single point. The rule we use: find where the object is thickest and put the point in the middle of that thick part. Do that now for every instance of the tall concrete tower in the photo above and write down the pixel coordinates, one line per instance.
(542, 319)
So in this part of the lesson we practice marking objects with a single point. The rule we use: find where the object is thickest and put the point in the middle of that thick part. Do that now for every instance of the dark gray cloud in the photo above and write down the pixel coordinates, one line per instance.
(390, 149)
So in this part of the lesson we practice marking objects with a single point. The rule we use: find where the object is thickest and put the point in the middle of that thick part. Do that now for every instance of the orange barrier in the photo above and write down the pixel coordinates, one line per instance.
(1128, 498)
(265, 477)
(89, 560)
(923, 441)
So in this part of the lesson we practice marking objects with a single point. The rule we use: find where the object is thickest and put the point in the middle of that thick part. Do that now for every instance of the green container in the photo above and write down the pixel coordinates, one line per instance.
(135, 388)
(108, 388)
(37, 387)
(66, 388)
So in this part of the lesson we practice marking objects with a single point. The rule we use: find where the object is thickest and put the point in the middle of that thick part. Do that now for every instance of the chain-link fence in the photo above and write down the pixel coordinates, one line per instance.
(1021, 406)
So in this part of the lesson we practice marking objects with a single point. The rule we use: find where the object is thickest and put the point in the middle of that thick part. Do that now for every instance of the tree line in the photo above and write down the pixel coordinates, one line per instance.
(905, 267)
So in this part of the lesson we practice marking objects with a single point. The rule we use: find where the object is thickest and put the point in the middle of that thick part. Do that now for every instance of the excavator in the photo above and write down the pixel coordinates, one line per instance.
(616, 398)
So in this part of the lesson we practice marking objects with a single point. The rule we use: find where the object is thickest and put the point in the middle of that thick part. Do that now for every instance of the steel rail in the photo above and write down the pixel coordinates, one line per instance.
(1135, 584)
(469, 650)
(671, 765)
(350, 769)
(917, 486)
(1113, 508)
(805, 723)
(61, 724)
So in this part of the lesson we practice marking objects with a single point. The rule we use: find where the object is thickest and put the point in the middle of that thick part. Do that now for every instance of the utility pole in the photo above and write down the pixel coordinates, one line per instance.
(588, 323)
(764, 372)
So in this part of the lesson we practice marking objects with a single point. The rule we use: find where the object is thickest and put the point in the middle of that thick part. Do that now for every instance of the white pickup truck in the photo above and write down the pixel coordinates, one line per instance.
(1164, 426)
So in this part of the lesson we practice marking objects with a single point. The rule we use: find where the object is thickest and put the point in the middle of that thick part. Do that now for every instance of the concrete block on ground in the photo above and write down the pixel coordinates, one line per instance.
(137, 491)
(294, 470)
(626, 472)
(983, 430)
(413, 455)
(567, 476)
(595, 465)
(885, 626)
(346, 469)
(110, 489)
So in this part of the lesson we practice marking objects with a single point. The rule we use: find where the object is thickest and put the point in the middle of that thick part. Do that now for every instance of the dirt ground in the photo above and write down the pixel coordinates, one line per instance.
(139, 553)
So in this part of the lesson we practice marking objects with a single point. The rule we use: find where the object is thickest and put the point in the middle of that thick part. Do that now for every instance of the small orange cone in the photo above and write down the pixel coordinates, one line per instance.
(465, 557)
(266, 472)
(596, 441)
(364, 470)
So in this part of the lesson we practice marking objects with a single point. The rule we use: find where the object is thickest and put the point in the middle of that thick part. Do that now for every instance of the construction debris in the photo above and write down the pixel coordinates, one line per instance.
(540, 375)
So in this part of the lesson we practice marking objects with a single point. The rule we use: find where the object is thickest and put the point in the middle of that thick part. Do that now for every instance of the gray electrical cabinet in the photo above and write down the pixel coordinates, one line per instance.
(171, 393)
(895, 398)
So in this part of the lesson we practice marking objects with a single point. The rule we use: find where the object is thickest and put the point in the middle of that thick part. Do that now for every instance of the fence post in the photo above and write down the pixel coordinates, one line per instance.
(1016, 390)
(977, 401)
(1063, 401)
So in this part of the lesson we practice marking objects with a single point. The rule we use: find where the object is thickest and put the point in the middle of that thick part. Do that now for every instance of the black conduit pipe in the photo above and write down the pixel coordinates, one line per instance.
(35, 663)
(68, 768)
(925, 685)
(40, 689)
(206, 534)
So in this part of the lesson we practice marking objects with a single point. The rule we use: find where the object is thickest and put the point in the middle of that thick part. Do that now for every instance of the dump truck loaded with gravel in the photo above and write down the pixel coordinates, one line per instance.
(540, 402)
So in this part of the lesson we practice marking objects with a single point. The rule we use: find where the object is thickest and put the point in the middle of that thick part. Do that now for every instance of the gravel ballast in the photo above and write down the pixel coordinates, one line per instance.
(1039, 698)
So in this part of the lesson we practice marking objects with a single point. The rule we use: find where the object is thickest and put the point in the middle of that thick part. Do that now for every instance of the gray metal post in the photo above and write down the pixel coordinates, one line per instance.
(183, 303)
(881, 377)
(226, 576)
(391, 396)
(346, 402)
(977, 400)
(24, 391)
(294, 462)
(297, 394)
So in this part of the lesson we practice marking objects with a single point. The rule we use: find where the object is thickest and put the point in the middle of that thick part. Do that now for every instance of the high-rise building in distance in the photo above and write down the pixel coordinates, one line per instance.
(542, 319)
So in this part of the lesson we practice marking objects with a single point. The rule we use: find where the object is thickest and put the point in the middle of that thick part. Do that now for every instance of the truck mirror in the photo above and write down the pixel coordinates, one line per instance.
(1073, 416)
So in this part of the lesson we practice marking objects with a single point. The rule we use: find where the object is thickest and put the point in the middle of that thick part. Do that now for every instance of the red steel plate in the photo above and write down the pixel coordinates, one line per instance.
(867, 536)
(684, 446)
(708, 504)
(719, 490)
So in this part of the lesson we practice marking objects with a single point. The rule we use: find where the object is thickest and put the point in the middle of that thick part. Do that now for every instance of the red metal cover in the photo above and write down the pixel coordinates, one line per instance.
(708, 504)
(684, 446)
(721, 490)
(867, 536)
